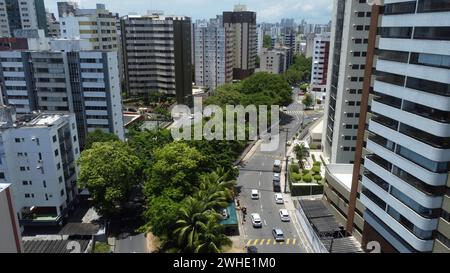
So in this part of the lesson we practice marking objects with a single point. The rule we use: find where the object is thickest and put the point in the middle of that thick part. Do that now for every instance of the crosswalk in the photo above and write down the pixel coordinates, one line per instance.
(267, 242)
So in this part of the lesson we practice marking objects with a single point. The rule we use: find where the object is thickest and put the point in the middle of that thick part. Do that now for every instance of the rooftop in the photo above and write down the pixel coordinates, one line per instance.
(343, 173)
(318, 128)
(53, 246)
(4, 186)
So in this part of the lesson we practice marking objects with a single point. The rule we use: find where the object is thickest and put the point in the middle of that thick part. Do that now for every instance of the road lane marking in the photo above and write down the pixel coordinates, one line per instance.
(281, 242)
(268, 241)
(265, 223)
(287, 241)
(294, 241)
(255, 242)
(262, 242)
(248, 242)
(274, 242)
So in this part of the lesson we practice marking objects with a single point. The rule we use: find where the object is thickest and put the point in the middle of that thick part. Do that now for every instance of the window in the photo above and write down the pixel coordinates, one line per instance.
(62, 192)
(390, 78)
(433, 60)
(22, 169)
(395, 32)
(24, 183)
(428, 86)
(2, 175)
(27, 195)
(54, 139)
(58, 166)
(56, 152)
(399, 8)
(44, 183)
(433, 5)
(17, 140)
(432, 33)
(392, 55)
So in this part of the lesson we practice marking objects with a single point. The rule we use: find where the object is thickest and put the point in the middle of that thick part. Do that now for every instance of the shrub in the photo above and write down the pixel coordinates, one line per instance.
(307, 178)
(313, 157)
(318, 177)
(295, 168)
(317, 164)
(304, 171)
(316, 169)
(296, 177)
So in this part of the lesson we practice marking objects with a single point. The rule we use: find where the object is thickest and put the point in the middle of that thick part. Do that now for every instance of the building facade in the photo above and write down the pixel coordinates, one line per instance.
(98, 26)
(157, 55)
(38, 160)
(9, 226)
(401, 172)
(320, 58)
(213, 53)
(21, 14)
(82, 82)
(243, 25)
(348, 48)
(275, 60)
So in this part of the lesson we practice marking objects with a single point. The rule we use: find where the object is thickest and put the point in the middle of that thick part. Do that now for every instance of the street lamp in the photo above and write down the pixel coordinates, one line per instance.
(286, 130)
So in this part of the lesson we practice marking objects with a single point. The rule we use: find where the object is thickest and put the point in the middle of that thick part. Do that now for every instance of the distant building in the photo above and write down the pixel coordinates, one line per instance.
(66, 8)
(82, 82)
(243, 25)
(276, 60)
(213, 53)
(21, 14)
(38, 160)
(53, 27)
(157, 55)
(9, 225)
(320, 63)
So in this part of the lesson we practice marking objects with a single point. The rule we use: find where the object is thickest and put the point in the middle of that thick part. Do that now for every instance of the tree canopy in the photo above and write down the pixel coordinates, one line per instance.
(99, 136)
(267, 41)
(108, 170)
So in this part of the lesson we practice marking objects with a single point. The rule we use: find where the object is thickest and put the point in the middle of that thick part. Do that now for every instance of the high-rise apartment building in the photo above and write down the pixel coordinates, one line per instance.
(53, 27)
(98, 26)
(82, 82)
(402, 161)
(320, 57)
(21, 14)
(213, 53)
(66, 8)
(243, 25)
(157, 55)
(274, 60)
(38, 158)
(348, 48)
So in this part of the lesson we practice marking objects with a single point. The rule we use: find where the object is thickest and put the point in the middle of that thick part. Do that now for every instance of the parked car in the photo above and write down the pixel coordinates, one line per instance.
(256, 220)
(255, 194)
(284, 215)
(277, 166)
(279, 198)
(252, 249)
(276, 186)
(276, 176)
(278, 234)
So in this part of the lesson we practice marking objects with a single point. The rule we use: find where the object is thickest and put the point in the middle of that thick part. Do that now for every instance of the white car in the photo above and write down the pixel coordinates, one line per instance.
(284, 215)
(279, 198)
(256, 220)
(255, 194)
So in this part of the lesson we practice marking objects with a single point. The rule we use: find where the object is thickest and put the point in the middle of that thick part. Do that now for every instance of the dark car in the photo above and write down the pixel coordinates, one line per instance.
(276, 186)
(252, 249)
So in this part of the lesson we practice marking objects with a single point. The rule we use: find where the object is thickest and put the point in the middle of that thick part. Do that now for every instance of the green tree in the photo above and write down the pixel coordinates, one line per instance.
(267, 41)
(174, 166)
(99, 136)
(212, 238)
(108, 170)
(144, 143)
(301, 152)
(307, 100)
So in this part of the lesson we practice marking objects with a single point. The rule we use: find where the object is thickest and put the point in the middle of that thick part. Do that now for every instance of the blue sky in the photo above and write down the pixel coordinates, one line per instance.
(313, 11)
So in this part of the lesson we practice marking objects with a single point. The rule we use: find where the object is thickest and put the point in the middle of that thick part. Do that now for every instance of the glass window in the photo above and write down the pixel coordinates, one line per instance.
(432, 33)
(422, 234)
(439, 167)
(433, 5)
(390, 78)
(430, 60)
(428, 86)
(395, 32)
(392, 55)
(399, 8)
(423, 211)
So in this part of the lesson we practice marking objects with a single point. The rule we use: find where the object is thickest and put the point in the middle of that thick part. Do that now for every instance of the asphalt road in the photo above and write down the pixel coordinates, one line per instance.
(256, 173)
(131, 244)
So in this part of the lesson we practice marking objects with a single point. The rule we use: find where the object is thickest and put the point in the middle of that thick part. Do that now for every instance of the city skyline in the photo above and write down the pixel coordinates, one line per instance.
(269, 11)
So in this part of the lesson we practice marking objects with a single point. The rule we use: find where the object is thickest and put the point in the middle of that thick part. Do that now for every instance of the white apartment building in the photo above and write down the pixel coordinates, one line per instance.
(82, 82)
(21, 14)
(348, 47)
(320, 57)
(38, 156)
(9, 225)
(213, 53)
(98, 26)
(405, 174)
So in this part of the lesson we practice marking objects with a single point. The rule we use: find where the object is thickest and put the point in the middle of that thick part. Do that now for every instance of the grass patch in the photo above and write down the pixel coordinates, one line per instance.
(101, 248)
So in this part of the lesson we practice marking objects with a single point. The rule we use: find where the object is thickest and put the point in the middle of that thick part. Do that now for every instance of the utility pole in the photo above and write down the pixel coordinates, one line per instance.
(286, 130)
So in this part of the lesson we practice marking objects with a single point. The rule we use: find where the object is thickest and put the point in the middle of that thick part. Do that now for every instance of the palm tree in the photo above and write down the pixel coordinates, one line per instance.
(301, 152)
(193, 217)
(212, 238)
